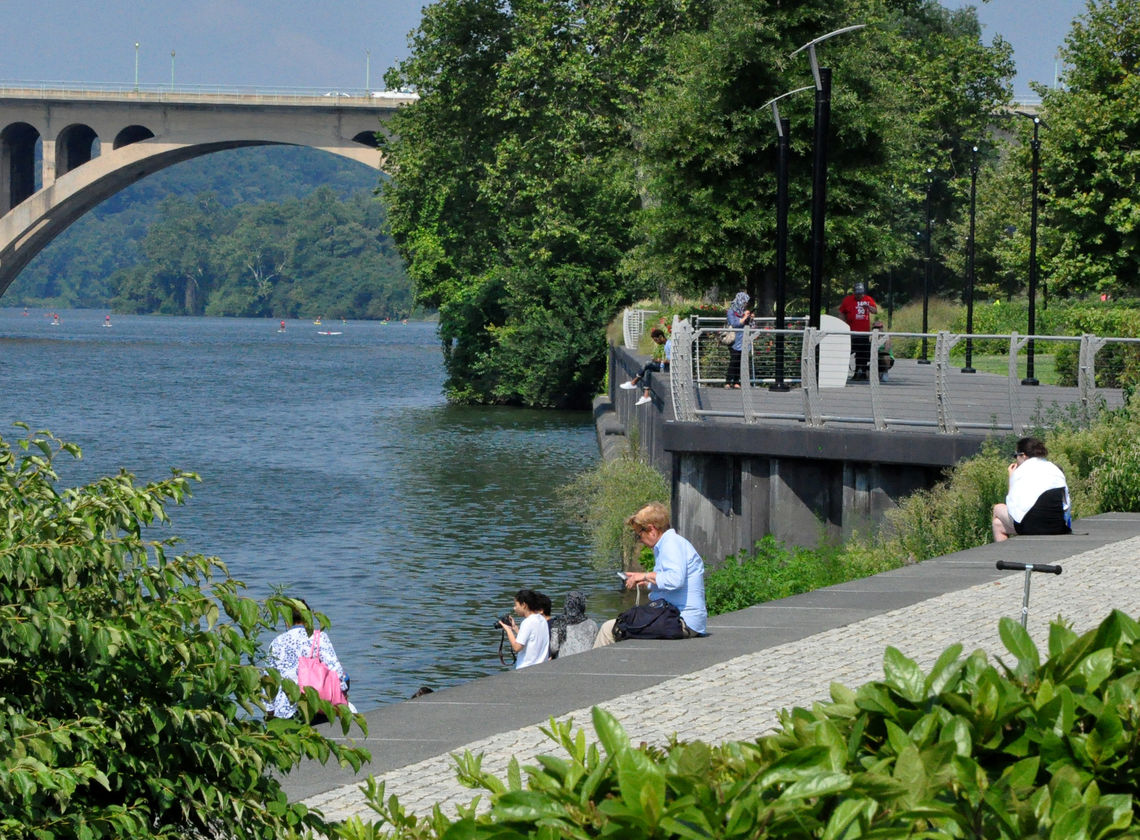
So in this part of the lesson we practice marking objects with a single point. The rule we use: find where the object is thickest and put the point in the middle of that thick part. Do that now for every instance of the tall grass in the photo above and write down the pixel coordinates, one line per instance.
(603, 497)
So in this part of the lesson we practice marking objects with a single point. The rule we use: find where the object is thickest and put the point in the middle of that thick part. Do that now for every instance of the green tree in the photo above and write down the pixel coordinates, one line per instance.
(131, 690)
(1089, 161)
(180, 247)
(512, 195)
(914, 89)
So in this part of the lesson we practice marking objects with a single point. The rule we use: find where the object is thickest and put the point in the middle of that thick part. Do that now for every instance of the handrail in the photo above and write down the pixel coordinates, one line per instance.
(697, 377)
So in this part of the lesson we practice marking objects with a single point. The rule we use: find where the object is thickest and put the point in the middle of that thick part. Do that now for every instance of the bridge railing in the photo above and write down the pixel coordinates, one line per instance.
(937, 396)
(633, 323)
(166, 92)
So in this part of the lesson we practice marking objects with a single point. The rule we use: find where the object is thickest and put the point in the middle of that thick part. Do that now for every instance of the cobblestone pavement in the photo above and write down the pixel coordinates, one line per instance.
(741, 698)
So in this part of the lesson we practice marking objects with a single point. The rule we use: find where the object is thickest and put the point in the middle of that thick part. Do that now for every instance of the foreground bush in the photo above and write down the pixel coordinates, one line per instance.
(972, 748)
(130, 695)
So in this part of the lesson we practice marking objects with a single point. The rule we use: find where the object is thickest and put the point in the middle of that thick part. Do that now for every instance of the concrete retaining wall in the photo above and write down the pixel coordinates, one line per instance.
(735, 482)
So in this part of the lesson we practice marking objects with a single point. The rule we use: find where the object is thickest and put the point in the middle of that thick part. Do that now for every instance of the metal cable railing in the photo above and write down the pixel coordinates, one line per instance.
(937, 395)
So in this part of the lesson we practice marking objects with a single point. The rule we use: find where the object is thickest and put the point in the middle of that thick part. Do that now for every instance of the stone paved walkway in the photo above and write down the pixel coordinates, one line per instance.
(740, 698)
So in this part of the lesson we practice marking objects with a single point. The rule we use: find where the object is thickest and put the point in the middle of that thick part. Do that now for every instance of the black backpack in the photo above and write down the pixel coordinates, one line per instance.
(656, 620)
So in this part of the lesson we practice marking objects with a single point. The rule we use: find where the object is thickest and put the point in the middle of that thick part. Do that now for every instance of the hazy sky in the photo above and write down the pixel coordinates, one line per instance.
(314, 44)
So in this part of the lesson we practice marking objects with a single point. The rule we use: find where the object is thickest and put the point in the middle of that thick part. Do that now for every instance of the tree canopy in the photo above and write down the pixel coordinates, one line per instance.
(1090, 164)
(567, 158)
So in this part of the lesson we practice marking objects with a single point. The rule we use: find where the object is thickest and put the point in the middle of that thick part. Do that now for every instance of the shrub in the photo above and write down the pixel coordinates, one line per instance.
(969, 749)
(1118, 478)
(130, 697)
(603, 497)
(940, 315)
(773, 570)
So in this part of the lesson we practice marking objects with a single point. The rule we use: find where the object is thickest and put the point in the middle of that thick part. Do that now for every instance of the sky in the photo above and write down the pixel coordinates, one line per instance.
(340, 45)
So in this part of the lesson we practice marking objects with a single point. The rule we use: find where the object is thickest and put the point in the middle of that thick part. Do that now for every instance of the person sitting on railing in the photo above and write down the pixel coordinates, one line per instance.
(886, 358)
(738, 317)
(856, 309)
(662, 355)
(1038, 499)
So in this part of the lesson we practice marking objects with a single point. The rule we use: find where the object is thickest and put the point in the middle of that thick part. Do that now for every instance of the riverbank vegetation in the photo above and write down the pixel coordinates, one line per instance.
(132, 689)
(565, 159)
(277, 232)
(602, 499)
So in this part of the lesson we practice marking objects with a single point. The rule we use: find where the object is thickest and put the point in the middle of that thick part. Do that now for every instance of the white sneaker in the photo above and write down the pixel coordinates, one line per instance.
(644, 400)
(627, 386)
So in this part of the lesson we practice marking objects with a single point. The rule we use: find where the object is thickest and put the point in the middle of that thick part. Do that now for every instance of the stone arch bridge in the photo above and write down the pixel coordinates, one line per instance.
(63, 152)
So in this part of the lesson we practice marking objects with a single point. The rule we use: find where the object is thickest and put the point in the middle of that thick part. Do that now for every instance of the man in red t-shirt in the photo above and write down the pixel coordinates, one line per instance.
(856, 309)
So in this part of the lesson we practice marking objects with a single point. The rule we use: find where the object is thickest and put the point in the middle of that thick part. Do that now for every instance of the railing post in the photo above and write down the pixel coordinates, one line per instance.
(746, 365)
(1015, 345)
(878, 339)
(942, 345)
(681, 384)
(809, 380)
(1086, 370)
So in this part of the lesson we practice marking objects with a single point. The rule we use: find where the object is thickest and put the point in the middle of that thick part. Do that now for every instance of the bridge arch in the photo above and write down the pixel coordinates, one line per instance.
(111, 140)
(19, 145)
(74, 146)
(28, 228)
(132, 134)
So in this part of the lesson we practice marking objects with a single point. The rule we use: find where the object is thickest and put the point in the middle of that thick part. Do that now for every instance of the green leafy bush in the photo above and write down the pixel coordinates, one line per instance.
(773, 570)
(1118, 478)
(1117, 365)
(130, 689)
(971, 748)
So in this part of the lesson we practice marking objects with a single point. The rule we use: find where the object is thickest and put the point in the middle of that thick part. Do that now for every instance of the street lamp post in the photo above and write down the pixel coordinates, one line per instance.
(136, 66)
(782, 140)
(822, 76)
(926, 267)
(172, 71)
(1035, 146)
(970, 266)
(368, 72)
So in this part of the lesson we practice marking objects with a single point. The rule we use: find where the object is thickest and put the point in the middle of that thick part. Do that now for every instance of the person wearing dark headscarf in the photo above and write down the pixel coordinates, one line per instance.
(738, 317)
(572, 632)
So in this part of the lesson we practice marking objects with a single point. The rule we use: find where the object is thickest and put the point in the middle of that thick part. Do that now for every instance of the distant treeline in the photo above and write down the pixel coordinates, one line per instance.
(273, 232)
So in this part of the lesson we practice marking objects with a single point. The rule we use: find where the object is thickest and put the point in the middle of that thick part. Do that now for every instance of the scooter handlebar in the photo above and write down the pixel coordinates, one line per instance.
(1009, 566)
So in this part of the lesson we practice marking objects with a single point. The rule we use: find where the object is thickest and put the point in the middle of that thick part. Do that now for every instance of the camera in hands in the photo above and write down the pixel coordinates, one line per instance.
(505, 618)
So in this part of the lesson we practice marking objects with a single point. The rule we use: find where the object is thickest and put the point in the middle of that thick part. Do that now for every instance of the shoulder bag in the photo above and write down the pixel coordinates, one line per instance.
(312, 673)
(656, 620)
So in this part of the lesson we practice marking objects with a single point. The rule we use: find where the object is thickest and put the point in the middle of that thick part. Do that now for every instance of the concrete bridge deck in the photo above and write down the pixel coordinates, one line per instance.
(732, 684)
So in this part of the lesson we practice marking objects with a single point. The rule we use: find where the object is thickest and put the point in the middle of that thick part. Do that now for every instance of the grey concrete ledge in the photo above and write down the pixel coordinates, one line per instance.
(405, 734)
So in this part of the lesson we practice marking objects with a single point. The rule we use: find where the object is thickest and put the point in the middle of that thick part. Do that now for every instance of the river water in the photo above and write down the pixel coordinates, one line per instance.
(331, 466)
